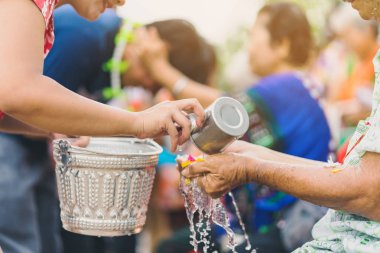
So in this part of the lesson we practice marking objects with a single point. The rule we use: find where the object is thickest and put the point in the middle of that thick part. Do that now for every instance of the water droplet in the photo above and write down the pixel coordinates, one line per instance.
(199, 204)
(248, 247)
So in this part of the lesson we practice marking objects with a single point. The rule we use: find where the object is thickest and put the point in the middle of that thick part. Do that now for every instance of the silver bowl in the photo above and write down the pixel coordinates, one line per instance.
(104, 189)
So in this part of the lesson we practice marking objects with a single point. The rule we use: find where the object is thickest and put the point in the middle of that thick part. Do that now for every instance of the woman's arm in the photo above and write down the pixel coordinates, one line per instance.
(264, 153)
(13, 126)
(38, 100)
(155, 56)
(29, 96)
(354, 189)
(167, 76)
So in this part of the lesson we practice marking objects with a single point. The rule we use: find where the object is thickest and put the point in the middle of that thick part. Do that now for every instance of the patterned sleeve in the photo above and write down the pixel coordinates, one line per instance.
(47, 8)
(371, 139)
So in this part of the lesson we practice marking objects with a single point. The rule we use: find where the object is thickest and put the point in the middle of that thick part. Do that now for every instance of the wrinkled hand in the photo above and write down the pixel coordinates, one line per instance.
(152, 49)
(247, 149)
(238, 146)
(169, 118)
(218, 174)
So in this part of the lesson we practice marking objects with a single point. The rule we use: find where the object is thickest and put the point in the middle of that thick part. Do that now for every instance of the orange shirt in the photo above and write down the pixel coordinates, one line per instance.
(362, 75)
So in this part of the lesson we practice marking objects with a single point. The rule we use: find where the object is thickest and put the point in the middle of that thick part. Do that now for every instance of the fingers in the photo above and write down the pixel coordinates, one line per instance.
(195, 170)
(170, 114)
(144, 33)
(192, 105)
(141, 35)
(185, 125)
(212, 189)
(202, 183)
(173, 133)
(142, 42)
(149, 39)
(153, 34)
(178, 117)
(154, 38)
(82, 141)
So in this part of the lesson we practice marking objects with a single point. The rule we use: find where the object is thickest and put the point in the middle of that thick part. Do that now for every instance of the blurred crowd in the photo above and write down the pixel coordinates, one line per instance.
(302, 99)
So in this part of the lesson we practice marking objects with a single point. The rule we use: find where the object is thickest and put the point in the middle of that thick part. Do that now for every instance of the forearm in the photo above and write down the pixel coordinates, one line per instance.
(345, 190)
(45, 104)
(272, 155)
(13, 126)
(167, 76)
(27, 95)
(264, 153)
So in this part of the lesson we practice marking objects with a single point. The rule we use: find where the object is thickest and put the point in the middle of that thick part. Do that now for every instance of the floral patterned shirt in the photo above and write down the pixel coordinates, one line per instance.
(46, 7)
(340, 231)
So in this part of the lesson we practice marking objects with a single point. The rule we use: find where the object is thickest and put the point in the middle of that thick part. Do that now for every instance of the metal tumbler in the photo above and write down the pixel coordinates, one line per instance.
(226, 121)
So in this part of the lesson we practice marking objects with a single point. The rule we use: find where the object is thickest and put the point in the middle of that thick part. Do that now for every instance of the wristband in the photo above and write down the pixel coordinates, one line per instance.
(179, 85)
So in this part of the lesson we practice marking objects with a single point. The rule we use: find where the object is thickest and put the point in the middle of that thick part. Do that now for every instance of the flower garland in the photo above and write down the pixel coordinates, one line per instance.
(116, 65)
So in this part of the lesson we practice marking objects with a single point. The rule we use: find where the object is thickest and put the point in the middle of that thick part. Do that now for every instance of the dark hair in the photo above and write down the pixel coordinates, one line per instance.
(288, 21)
(188, 51)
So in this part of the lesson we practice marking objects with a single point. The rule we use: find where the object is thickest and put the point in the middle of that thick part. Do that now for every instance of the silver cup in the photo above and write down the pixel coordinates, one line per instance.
(226, 121)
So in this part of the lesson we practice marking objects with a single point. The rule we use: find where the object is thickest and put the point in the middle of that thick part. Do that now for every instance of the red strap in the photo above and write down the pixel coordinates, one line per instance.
(1, 115)
(358, 141)
(341, 153)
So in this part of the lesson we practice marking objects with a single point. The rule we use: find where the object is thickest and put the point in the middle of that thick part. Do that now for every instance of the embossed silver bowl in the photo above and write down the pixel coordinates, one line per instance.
(104, 189)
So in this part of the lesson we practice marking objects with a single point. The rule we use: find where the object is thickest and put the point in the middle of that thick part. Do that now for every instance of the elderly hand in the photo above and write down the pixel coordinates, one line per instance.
(219, 174)
(169, 118)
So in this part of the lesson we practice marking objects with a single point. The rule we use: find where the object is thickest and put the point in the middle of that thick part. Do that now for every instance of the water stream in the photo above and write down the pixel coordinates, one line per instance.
(202, 211)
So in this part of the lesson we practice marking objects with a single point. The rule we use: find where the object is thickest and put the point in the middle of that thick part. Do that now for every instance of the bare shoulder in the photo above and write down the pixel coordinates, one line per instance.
(22, 35)
(18, 8)
(21, 46)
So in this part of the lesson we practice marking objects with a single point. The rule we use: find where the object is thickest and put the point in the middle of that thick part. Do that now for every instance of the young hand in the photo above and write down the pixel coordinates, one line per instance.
(169, 118)
(81, 141)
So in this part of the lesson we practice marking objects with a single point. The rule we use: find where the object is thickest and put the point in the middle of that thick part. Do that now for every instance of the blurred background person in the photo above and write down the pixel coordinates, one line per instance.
(360, 38)
(90, 75)
(285, 115)
(345, 67)
(350, 190)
